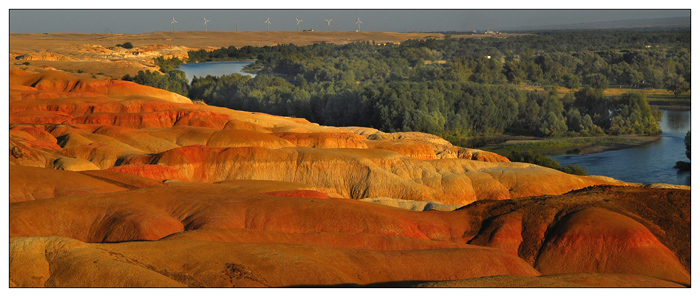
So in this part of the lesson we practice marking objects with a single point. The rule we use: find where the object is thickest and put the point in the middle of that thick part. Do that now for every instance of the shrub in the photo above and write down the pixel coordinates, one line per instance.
(574, 169)
(541, 160)
(126, 45)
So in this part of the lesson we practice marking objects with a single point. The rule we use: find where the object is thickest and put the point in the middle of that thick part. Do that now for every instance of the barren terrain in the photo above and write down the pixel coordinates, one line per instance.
(88, 54)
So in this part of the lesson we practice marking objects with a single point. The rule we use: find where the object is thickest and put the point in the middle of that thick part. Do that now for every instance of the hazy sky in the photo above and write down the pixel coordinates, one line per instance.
(406, 20)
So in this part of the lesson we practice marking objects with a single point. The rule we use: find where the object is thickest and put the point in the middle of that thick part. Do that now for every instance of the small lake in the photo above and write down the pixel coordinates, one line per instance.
(214, 68)
(650, 163)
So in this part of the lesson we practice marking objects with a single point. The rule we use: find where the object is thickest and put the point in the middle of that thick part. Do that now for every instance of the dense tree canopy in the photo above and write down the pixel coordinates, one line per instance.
(174, 80)
(454, 86)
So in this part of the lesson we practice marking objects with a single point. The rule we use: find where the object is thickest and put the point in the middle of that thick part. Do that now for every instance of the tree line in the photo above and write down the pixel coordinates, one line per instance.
(566, 58)
(437, 107)
(453, 86)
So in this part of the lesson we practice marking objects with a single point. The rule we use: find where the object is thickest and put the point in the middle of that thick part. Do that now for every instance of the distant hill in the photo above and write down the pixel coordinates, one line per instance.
(621, 24)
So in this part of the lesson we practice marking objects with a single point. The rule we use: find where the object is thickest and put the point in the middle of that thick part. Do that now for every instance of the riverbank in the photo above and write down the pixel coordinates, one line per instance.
(634, 140)
(571, 145)
(669, 101)
(645, 164)
(679, 107)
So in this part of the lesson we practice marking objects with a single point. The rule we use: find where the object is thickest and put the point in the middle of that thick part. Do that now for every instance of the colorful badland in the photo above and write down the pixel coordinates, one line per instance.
(114, 184)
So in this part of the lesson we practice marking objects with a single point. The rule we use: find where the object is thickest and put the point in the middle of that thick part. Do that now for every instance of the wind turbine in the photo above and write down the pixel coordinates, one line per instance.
(298, 26)
(236, 25)
(268, 24)
(358, 24)
(205, 24)
(329, 24)
(174, 22)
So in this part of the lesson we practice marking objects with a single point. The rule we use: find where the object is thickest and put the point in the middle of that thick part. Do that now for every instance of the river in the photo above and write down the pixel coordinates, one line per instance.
(649, 163)
(214, 68)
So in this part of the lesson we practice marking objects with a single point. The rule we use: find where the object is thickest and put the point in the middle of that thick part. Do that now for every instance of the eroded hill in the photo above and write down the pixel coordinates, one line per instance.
(106, 175)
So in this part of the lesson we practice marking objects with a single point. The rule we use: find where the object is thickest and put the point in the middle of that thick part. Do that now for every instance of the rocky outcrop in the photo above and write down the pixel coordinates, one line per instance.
(155, 212)
(574, 280)
(106, 175)
(324, 140)
(424, 146)
(411, 204)
(593, 231)
(223, 264)
(363, 173)
(79, 265)
(74, 164)
(113, 124)
(234, 222)
(155, 172)
(32, 183)
(65, 84)
(599, 240)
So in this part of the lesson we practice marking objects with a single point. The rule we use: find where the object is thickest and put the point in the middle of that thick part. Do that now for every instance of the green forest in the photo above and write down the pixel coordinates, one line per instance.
(453, 87)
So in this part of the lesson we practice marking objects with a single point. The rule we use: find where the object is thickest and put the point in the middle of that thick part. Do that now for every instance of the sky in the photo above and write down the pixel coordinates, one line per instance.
(391, 20)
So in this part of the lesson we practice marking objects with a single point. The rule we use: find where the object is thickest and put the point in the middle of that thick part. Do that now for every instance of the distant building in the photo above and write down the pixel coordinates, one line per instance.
(488, 32)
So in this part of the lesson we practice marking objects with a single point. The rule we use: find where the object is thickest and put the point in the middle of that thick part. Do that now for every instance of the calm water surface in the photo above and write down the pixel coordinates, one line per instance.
(650, 163)
(214, 68)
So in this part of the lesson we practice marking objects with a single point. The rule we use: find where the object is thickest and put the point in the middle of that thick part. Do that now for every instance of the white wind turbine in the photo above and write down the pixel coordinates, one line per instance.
(205, 24)
(174, 22)
(298, 26)
(268, 24)
(329, 24)
(358, 24)
(236, 25)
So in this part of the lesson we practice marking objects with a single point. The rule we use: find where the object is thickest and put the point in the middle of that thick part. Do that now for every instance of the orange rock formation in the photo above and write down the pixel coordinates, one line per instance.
(107, 175)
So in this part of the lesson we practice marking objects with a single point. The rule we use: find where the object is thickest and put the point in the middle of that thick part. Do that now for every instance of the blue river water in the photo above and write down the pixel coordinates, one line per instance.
(213, 68)
(650, 163)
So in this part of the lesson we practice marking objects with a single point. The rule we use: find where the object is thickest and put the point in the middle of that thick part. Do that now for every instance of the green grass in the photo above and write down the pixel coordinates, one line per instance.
(539, 159)
(559, 146)
(669, 99)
